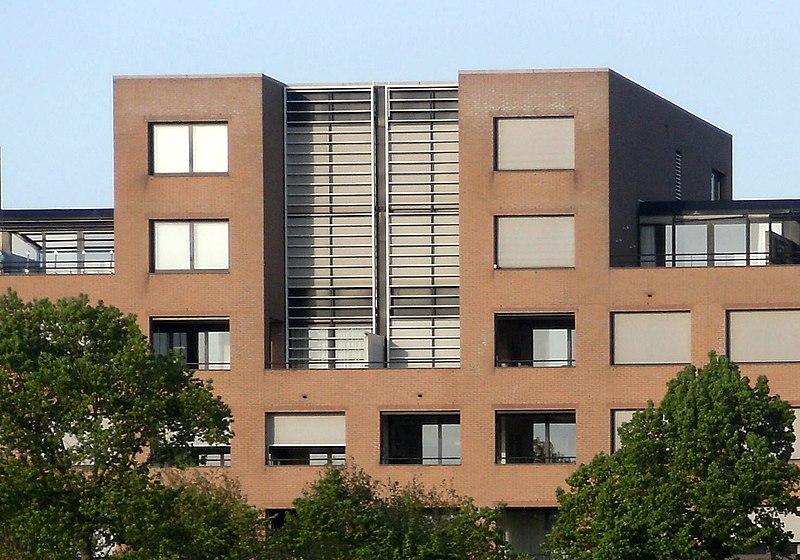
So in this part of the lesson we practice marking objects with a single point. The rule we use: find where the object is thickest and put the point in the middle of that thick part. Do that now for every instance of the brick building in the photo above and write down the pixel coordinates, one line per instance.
(472, 282)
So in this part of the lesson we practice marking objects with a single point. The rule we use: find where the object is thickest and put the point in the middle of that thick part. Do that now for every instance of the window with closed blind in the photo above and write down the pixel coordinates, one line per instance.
(619, 418)
(535, 241)
(764, 336)
(315, 439)
(652, 338)
(534, 143)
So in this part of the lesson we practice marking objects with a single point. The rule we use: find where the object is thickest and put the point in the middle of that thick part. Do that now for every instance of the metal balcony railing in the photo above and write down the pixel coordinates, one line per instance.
(65, 265)
(706, 259)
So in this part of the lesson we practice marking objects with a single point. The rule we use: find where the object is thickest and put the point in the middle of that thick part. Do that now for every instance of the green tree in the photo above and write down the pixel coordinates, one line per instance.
(702, 476)
(82, 400)
(348, 515)
(207, 519)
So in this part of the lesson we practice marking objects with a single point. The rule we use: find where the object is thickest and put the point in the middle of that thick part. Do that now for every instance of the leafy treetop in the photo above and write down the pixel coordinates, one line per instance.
(81, 387)
(703, 475)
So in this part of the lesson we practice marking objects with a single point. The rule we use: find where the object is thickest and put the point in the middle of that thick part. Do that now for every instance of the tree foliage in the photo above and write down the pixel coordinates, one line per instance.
(703, 475)
(195, 517)
(82, 400)
(348, 515)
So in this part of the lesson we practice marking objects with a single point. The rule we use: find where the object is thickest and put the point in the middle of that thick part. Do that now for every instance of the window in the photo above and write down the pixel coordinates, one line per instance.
(190, 245)
(717, 185)
(198, 452)
(421, 438)
(764, 336)
(189, 148)
(535, 437)
(204, 343)
(542, 340)
(678, 175)
(796, 428)
(315, 439)
(526, 529)
(619, 418)
(205, 454)
(534, 143)
(652, 338)
(535, 241)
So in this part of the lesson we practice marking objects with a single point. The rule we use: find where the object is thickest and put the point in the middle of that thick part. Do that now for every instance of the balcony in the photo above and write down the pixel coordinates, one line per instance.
(535, 340)
(57, 241)
(716, 234)
(535, 437)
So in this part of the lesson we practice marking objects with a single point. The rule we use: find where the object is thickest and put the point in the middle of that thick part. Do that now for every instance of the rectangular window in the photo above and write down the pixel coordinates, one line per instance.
(717, 185)
(764, 336)
(526, 529)
(199, 245)
(534, 143)
(208, 455)
(535, 437)
(204, 343)
(540, 340)
(618, 419)
(421, 439)
(652, 338)
(315, 439)
(535, 241)
(186, 148)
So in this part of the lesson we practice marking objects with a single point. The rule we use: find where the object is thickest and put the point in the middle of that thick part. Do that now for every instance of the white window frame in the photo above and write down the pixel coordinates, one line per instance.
(191, 249)
(194, 164)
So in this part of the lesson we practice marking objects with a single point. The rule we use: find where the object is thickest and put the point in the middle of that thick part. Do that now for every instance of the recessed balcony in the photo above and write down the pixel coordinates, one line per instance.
(718, 234)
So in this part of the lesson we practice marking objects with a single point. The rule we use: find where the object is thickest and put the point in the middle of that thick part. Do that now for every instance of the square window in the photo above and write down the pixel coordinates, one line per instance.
(535, 241)
(187, 148)
(421, 439)
(199, 245)
(534, 143)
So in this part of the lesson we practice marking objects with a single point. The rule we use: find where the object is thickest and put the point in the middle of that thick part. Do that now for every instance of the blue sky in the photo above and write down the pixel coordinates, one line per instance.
(734, 63)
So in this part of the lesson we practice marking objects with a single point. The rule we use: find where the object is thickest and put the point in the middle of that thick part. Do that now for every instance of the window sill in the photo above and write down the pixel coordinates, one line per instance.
(536, 170)
(198, 174)
(193, 271)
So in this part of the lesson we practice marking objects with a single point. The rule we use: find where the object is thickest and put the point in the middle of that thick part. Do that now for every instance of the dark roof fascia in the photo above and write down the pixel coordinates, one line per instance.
(56, 218)
(683, 208)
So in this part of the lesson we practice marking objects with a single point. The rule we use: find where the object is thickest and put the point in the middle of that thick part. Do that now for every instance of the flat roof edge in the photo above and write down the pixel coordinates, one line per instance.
(540, 71)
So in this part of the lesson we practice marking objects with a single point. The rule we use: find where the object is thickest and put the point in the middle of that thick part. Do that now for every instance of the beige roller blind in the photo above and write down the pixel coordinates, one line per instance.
(535, 143)
(796, 427)
(764, 336)
(536, 242)
(652, 338)
(306, 429)
(620, 417)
